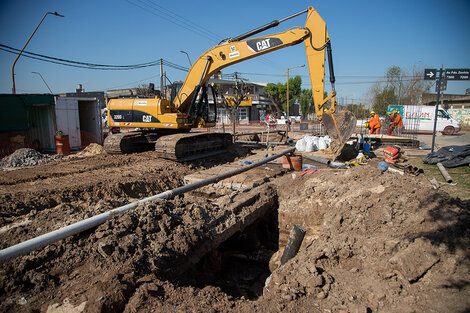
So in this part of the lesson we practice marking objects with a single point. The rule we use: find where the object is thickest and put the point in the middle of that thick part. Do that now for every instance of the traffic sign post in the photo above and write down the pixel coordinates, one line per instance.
(438, 90)
(441, 85)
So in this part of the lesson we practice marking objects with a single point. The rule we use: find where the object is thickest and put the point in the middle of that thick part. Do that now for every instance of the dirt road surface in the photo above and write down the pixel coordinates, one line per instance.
(375, 242)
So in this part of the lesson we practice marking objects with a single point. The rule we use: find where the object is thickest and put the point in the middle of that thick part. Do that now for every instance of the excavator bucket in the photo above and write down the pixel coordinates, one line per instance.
(339, 126)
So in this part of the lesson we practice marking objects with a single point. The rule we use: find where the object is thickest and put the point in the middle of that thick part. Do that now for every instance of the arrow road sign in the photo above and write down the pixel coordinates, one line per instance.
(429, 73)
(457, 74)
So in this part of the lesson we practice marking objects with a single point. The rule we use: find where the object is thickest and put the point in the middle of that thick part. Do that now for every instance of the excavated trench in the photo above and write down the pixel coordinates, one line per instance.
(227, 240)
(239, 265)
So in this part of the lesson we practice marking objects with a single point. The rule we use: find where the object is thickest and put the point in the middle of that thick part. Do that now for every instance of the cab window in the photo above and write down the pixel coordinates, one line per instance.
(442, 114)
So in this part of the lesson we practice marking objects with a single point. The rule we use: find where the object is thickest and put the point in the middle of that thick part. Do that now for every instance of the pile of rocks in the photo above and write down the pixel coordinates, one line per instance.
(27, 157)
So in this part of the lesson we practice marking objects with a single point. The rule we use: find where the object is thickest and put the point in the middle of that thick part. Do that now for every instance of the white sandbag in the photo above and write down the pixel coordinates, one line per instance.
(309, 146)
(300, 145)
(322, 144)
(315, 143)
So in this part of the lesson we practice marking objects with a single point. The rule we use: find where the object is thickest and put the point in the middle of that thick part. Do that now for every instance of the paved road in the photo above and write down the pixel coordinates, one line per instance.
(460, 139)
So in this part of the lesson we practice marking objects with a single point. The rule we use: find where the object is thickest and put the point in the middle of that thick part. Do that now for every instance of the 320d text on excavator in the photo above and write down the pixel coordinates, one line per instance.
(165, 125)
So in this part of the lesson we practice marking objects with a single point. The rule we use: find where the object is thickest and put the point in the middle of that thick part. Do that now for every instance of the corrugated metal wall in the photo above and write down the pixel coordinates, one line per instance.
(41, 127)
(27, 116)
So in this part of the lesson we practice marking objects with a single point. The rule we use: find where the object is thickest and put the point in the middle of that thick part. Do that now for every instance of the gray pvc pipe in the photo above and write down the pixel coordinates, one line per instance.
(73, 229)
(444, 172)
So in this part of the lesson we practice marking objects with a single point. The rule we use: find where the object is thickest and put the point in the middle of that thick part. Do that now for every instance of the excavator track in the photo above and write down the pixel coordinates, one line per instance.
(192, 146)
(179, 147)
(126, 142)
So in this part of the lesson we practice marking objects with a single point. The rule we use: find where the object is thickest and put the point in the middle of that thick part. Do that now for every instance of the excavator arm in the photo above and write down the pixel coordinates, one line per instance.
(234, 50)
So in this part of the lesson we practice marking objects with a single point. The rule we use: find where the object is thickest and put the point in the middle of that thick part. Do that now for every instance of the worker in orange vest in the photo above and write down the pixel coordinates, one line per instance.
(397, 123)
(374, 123)
(390, 122)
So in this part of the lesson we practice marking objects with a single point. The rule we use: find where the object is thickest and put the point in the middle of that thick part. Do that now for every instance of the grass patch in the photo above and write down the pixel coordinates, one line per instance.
(460, 175)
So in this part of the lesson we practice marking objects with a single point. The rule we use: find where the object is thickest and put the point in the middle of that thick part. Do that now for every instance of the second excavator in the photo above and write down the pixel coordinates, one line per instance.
(165, 125)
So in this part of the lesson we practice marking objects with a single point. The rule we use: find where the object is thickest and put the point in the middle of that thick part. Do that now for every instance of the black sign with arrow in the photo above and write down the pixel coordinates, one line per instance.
(430, 74)
(457, 74)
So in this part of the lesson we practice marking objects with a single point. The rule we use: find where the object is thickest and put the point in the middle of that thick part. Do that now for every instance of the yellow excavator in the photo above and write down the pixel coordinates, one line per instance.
(166, 124)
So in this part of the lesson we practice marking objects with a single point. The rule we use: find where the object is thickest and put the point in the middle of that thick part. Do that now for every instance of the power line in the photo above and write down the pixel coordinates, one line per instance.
(151, 7)
(182, 19)
(78, 64)
(93, 66)
(134, 82)
(151, 10)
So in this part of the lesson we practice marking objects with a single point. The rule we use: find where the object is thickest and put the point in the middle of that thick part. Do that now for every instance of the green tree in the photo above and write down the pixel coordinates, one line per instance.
(359, 110)
(277, 93)
(306, 102)
(384, 98)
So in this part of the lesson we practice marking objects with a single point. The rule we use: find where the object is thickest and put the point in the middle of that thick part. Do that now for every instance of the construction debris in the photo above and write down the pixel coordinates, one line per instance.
(27, 157)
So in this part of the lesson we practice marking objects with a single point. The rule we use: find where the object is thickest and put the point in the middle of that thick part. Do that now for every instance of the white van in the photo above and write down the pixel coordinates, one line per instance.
(421, 118)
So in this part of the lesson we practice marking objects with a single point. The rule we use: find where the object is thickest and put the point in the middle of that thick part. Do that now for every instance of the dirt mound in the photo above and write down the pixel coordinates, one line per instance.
(26, 157)
(90, 150)
(375, 242)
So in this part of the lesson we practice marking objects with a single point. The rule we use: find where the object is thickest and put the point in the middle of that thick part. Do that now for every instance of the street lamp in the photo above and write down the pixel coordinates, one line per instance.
(43, 81)
(19, 54)
(288, 121)
(187, 56)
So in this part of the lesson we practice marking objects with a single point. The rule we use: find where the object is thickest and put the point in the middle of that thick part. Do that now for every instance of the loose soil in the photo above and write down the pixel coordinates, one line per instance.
(375, 242)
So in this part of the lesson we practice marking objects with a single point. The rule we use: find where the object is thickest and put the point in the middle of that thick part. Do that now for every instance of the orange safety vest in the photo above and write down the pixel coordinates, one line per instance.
(398, 121)
(374, 122)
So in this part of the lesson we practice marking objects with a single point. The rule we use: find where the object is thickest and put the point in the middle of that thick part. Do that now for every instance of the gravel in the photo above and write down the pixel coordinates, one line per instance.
(27, 157)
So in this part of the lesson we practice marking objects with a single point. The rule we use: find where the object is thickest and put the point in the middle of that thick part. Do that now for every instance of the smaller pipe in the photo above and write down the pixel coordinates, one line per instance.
(259, 142)
(317, 159)
(444, 173)
(293, 243)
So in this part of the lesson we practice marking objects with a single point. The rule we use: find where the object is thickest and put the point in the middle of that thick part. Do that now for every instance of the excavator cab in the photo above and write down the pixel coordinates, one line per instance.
(202, 109)
(175, 89)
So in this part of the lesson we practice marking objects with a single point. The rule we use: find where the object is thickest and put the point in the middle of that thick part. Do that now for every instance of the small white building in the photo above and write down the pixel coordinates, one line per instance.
(80, 118)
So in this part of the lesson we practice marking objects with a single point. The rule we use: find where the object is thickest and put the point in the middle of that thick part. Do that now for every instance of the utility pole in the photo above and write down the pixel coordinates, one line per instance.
(161, 78)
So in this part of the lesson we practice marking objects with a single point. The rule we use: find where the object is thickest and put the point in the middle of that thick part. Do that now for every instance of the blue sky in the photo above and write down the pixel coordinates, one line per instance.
(367, 38)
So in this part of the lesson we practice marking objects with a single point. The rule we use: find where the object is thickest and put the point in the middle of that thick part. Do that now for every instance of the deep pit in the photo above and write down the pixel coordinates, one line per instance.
(240, 265)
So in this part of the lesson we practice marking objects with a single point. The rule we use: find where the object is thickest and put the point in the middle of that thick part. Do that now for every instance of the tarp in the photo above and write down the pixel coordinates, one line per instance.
(450, 156)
